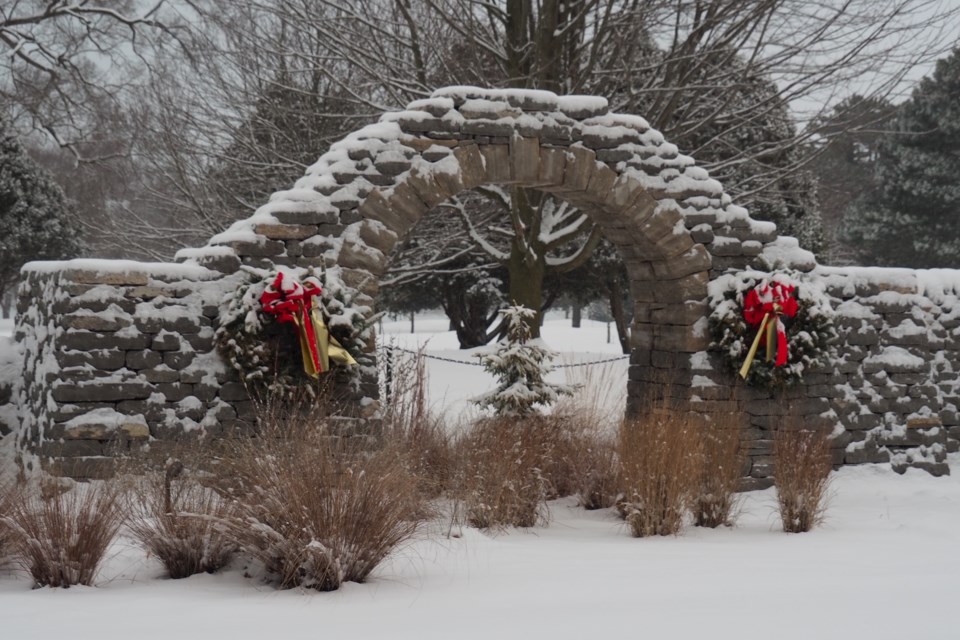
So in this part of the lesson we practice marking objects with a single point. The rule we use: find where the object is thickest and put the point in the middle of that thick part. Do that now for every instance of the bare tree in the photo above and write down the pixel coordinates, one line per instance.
(684, 64)
(65, 58)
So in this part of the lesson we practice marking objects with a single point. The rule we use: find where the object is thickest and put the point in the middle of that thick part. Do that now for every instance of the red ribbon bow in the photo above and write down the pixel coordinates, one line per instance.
(763, 307)
(293, 303)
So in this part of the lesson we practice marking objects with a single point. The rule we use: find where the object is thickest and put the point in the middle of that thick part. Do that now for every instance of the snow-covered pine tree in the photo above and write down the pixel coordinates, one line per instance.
(33, 212)
(520, 364)
(911, 218)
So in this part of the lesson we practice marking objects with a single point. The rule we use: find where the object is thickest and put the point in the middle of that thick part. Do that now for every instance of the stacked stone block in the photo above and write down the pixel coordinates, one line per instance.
(895, 386)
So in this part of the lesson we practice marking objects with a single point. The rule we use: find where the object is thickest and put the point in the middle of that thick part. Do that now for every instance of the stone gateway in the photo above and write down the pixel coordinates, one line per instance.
(118, 351)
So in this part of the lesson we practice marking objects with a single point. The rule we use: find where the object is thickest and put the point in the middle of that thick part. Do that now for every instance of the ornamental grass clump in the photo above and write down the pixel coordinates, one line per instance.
(721, 468)
(596, 474)
(801, 466)
(59, 536)
(181, 522)
(659, 470)
(314, 508)
(589, 420)
(501, 480)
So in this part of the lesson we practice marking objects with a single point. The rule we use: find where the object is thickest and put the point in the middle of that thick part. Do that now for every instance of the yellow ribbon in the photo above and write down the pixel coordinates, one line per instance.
(768, 324)
(328, 348)
(327, 345)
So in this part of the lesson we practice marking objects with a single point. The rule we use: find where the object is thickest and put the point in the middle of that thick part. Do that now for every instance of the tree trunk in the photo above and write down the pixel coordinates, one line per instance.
(412, 319)
(528, 261)
(619, 315)
(577, 314)
(526, 283)
(470, 323)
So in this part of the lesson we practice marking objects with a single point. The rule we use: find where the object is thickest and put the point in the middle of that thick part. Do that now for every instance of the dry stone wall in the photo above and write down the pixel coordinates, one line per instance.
(894, 384)
(891, 390)
(118, 354)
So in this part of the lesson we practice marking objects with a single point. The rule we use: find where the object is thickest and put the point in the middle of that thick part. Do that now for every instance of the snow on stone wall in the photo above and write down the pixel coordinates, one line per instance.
(116, 354)
(895, 384)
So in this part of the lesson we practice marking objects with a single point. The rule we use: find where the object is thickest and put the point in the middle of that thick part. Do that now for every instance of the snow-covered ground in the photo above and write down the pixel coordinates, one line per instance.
(884, 565)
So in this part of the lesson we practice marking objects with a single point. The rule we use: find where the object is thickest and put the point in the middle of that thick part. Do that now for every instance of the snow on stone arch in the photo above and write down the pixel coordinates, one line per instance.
(672, 224)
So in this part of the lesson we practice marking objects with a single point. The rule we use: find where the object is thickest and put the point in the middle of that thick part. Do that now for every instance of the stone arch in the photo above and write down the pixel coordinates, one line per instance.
(673, 226)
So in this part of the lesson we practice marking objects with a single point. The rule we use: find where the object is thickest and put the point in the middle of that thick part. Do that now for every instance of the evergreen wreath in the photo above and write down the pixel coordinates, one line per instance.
(810, 332)
(267, 354)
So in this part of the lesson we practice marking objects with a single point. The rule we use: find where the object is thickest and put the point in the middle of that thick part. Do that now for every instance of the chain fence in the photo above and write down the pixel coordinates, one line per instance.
(428, 356)
(387, 361)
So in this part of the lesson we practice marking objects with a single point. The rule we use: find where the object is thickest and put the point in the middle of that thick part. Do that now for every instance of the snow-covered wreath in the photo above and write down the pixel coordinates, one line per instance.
(269, 356)
(783, 309)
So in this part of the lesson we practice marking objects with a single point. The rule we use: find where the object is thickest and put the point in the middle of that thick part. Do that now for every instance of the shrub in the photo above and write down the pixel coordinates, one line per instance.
(721, 470)
(659, 465)
(501, 480)
(801, 467)
(596, 474)
(182, 523)
(60, 537)
(314, 508)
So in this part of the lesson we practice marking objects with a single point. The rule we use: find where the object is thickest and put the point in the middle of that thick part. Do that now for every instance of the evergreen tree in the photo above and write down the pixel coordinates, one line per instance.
(33, 212)
(844, 161)
(912, 216)
(520, 365)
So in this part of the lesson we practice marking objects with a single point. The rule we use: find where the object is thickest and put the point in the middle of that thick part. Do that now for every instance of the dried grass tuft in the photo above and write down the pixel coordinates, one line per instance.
(8, 493)
(410, 428)
(717, 496)
(659, 470)
(597, 473)
(314, 508)
(802, 464)
(181, 522)
(61, 537)
(501, 481)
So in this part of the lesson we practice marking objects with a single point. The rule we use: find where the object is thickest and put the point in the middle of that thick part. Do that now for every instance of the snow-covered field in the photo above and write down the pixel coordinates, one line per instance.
(884, 565)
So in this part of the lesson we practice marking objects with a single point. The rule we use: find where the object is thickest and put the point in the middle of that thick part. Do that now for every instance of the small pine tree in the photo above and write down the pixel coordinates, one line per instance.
(520, 364)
